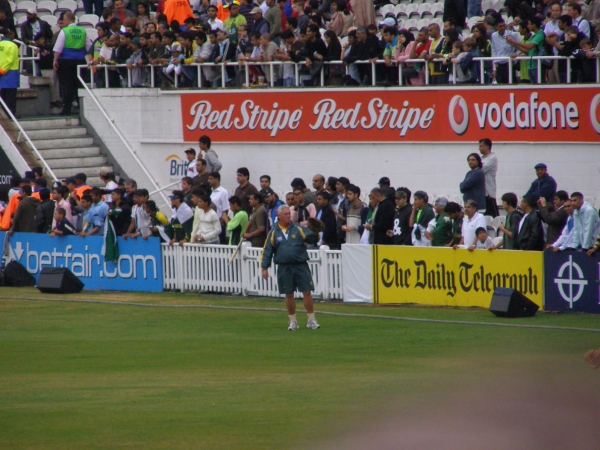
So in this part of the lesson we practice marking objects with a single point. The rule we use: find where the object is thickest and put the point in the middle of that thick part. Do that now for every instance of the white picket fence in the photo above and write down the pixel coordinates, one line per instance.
(206, 268)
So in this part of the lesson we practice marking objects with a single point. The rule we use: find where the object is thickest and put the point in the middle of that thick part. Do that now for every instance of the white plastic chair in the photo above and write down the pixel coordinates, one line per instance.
(437, 8)
(422, 23)
(437, 20)
(412, 11)
(51, 20)
(425, 10)
(65, 5)
(386, 9)
(399, 8)
(47, 7)
(88, 19)
(22, 8)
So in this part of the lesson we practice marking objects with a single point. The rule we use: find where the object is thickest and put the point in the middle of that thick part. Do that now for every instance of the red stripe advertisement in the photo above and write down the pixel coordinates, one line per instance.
(542, 114)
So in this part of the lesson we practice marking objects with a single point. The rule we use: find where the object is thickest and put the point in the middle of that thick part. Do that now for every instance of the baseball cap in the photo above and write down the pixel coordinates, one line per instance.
(388, 22)
(384, 180)
(190, 150)
(136, 41)
(400, 194)
(105, 171)
(81, 176)
(256, 10)
(266, 192)
(31, 11)
(175, 47)
(69, 180)
(176, 194)
(540, 166)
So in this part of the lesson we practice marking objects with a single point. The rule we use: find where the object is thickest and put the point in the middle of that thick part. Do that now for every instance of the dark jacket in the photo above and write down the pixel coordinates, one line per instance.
(328, 217)
(27, 32)
(44, 215)
(24, 218)
(121, 218)
(531, 236)
(260, 26)
(556, 221)
(287, 251)
(402, 230)
(473, 187)
(543, 187)
(384, 221)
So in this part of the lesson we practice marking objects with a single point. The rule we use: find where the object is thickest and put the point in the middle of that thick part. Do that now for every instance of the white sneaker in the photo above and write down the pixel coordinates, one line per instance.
(293, 325)
(312, 323)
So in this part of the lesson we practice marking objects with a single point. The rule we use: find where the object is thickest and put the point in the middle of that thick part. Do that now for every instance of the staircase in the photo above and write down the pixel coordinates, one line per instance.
(66, 146)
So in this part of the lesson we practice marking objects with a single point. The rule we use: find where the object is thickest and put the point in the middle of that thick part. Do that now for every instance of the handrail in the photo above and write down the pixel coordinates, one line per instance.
(24, 134)
(165, 187)
(23, 55)
(399, 65)
(123, 140)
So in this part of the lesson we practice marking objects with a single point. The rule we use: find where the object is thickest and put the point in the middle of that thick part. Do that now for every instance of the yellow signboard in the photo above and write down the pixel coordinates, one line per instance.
(448, 277)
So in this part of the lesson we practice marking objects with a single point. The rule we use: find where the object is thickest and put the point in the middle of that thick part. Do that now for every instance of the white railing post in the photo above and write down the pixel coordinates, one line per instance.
(323, 272)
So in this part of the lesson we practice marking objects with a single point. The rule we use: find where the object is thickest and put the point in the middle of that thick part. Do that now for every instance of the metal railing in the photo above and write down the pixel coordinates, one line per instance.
(131, 151)
(23, 134)
(23, 57)
(271, 65)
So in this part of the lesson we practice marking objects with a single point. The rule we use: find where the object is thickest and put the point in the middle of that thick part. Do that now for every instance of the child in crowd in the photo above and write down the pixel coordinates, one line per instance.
(174, 64)
(465, 61)
(157, 219)
(456, 57)
(62, 227)
(588, 61)
(484, 242)
(46, 68)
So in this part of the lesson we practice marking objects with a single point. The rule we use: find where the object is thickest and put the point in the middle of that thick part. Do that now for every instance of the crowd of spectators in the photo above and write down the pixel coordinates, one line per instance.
(331, 37)
(203, 212)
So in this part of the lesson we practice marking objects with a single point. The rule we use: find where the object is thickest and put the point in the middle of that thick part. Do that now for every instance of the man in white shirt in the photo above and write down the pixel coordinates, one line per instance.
(501, 48)
(471, 221)
(565, 240)
(552, 27)
(574, 10)
(586, 223)
(190, 155)
(220, 198)
(490, 167)
(215, 24)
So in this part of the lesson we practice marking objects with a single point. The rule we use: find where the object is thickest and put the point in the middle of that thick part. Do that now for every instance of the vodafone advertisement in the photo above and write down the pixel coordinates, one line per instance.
(402, 115)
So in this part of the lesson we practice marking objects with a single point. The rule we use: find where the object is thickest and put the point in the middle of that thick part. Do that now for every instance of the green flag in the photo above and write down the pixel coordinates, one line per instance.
(110, 248)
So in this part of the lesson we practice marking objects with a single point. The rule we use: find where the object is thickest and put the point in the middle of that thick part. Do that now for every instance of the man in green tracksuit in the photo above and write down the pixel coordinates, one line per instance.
(286, 244)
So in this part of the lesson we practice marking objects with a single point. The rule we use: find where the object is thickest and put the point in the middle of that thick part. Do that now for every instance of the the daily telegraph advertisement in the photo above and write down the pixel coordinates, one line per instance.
(448, 277)
(518, 114)
(139, 267)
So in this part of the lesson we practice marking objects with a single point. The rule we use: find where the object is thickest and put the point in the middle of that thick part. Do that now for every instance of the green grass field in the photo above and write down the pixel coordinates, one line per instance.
(84, 375)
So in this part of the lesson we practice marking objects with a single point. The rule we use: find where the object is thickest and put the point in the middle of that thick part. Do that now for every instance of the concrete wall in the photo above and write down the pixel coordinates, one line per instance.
(152, 124)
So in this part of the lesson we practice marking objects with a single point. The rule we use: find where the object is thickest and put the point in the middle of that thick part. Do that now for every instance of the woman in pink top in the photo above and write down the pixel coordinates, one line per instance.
(406, 41)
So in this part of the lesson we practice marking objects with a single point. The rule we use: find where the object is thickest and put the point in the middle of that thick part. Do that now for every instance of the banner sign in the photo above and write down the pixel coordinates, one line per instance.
(572, 282)
(518, 114)
(447, 277)
(7, 172)
(139, 267)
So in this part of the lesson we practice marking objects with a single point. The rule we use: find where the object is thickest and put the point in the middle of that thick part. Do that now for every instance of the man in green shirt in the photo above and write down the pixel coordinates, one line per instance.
(531, 48)
(234, 21)
(510, 228)
(237, 225)
(455, 213)
(441, 236)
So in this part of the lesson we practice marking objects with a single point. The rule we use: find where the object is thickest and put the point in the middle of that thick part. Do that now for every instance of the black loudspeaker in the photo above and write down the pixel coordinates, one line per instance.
(511, 303)
(58, 280)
